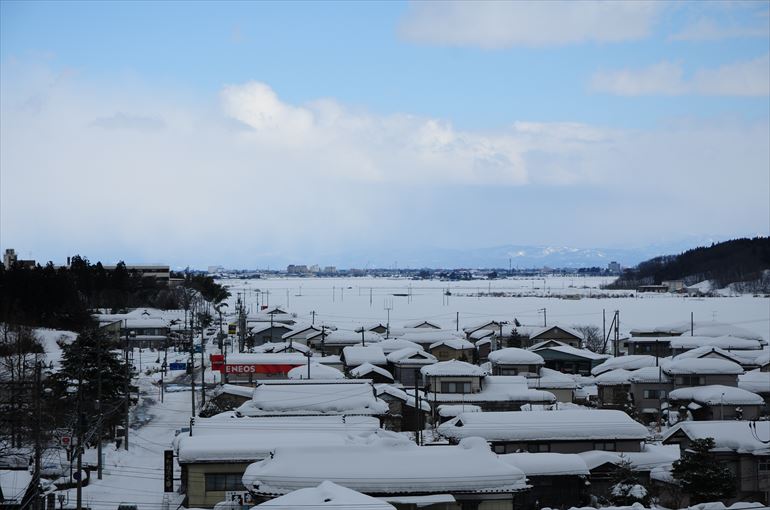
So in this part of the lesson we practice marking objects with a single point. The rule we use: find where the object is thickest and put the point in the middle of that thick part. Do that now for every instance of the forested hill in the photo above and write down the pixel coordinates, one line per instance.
(738, 260)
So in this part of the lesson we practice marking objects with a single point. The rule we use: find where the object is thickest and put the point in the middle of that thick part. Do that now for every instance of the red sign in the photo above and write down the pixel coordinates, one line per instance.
(257, 369)
(217, 361)
(65, 440)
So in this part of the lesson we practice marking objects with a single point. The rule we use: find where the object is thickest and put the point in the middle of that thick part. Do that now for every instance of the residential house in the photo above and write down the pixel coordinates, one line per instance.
(630, 362)
(335, 341)
(356, 355)
(327, 494)
(264, 332)
(377, 375)
(558, 480)
(402, 412)
(562, 386)
(453, 348)
(717, 402)
(563, 334)
(469, 473)
(686, 372)
(568, 431)
(405, 365)
(740, 445)
(491, 392)
(650, 346)
(613, 389)
(424, 324)
(649, 392)
(515, 361)
(567, 359)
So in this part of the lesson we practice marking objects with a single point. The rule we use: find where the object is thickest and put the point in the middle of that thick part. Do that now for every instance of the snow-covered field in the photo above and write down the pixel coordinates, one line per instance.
(362, 300)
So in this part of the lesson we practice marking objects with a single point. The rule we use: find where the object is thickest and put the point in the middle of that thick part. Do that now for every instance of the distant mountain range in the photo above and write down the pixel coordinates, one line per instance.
(518, 256)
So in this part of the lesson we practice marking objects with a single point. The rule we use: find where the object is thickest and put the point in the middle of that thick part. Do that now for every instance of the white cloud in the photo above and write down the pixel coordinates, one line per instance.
(226, 180)
(500, 24)
(744, 78)
(706, 29)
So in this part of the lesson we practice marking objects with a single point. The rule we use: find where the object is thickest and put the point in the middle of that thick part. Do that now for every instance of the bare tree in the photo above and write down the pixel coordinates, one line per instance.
(592, 338)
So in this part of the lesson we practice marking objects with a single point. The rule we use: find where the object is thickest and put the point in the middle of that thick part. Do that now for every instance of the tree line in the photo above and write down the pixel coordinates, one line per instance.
(738, 260)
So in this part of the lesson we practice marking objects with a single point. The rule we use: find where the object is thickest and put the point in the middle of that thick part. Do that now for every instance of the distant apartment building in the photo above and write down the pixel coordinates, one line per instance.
(297, 269)
(10, 258)
(330, 269)
(614, 267)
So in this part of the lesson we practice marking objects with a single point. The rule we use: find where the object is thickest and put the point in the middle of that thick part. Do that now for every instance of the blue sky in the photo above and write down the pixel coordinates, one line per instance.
(379, 124)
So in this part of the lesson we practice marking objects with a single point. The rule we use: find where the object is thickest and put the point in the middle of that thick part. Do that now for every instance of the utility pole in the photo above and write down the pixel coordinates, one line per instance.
(617, 332)
(312, 321)
(127, 391)
(363, 337)
(38, 447)
(203, 369)
(457, 321)
(416, 408)
(99, 405)
(192, 366)
(692, 324)
(604, 324)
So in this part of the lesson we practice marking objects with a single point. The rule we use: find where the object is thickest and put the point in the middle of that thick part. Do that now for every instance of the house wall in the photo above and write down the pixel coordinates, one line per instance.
(444, 353)
(662, 348)
(561, 394)
(197, 496)
(613, 396)
(511, 369)
(556, 334)
(405, 374)
(725, 412)
(637, 391)
(565, 446)
(437, 382)
(707, 380)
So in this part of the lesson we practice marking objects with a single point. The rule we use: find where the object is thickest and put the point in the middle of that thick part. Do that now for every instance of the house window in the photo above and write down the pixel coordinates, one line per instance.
(689, 380)
(659, 394)
(499, 448)
(455, 387)
(224, 482)
(607, 446)
(764, 464)
(538, 447)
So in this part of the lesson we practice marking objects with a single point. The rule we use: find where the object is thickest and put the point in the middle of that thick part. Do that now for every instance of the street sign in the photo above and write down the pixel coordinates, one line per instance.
(65, 440)
(177, 366)
(168, 471)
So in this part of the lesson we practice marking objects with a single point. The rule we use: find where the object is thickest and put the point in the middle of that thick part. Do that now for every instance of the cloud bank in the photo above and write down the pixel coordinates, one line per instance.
(247, 178)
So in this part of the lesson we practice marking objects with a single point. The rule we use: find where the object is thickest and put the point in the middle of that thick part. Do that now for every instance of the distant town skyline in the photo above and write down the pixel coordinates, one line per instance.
(253, 134)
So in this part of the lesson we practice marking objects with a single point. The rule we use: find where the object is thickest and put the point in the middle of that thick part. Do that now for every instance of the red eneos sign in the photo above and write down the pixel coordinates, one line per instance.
(257, 368)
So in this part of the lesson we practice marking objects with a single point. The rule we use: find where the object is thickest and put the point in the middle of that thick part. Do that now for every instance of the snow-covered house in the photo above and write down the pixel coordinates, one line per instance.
(402, 408)
(547, 471)
(422, 324)
(453, 348)
(263, 332)
(649, 345)
(494, 393)
(375, 327)
(216, 453)
(405, 364)
(490, 325)
(685, 343)
(394, 344)
(314, 398)
(560, 333)
(649, 391)
(717, 402)
(568, 431)
(453, 376)
(356, 355)
(702, 371)
(613, 388)
(470, 472)
(326, 495)
(756, 381)
(372, 372)
(315, 370)
(568, 359)
(562, 386)
(300, 332)
(515, 361)
(630, 362)
(740, 445)
(335, 341)
(425, 337)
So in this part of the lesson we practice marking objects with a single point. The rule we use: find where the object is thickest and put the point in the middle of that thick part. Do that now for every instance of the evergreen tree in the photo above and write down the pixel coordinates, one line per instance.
(626, 488)
(77, 382)
(701, 475)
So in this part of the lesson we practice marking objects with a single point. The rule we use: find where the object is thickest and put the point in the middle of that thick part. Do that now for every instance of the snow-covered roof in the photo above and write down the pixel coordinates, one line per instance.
(13, 485)
(650, 456)
(365, 369)
(267, 358)
(326, 495)
(239, 447)
(391, 468)
(568, 349)
(631, 362)
(702, 366)
(260, 327)
(728, 435)
(763, 359)
(452, 368)
(421, 324)
(279, 347)
(452, 410)
(552, 379)
(480, 334)
(301, 331)
(649, 375)
(708, 351)
(755, 381)
(348, 396)
(701, 328)
(356, 355)
(349, 337)
(249, 425)
(235, 389)
(405, 395)
(547, 464)
(534, 332)
(614, 377)
(317, 371)
(573, 425)
(717, 394)
(459, 344)
(515, 356)
(394, 344)
(427, 336)
(725, 342)
(499, 388)
(475, 326)
(411, 355)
